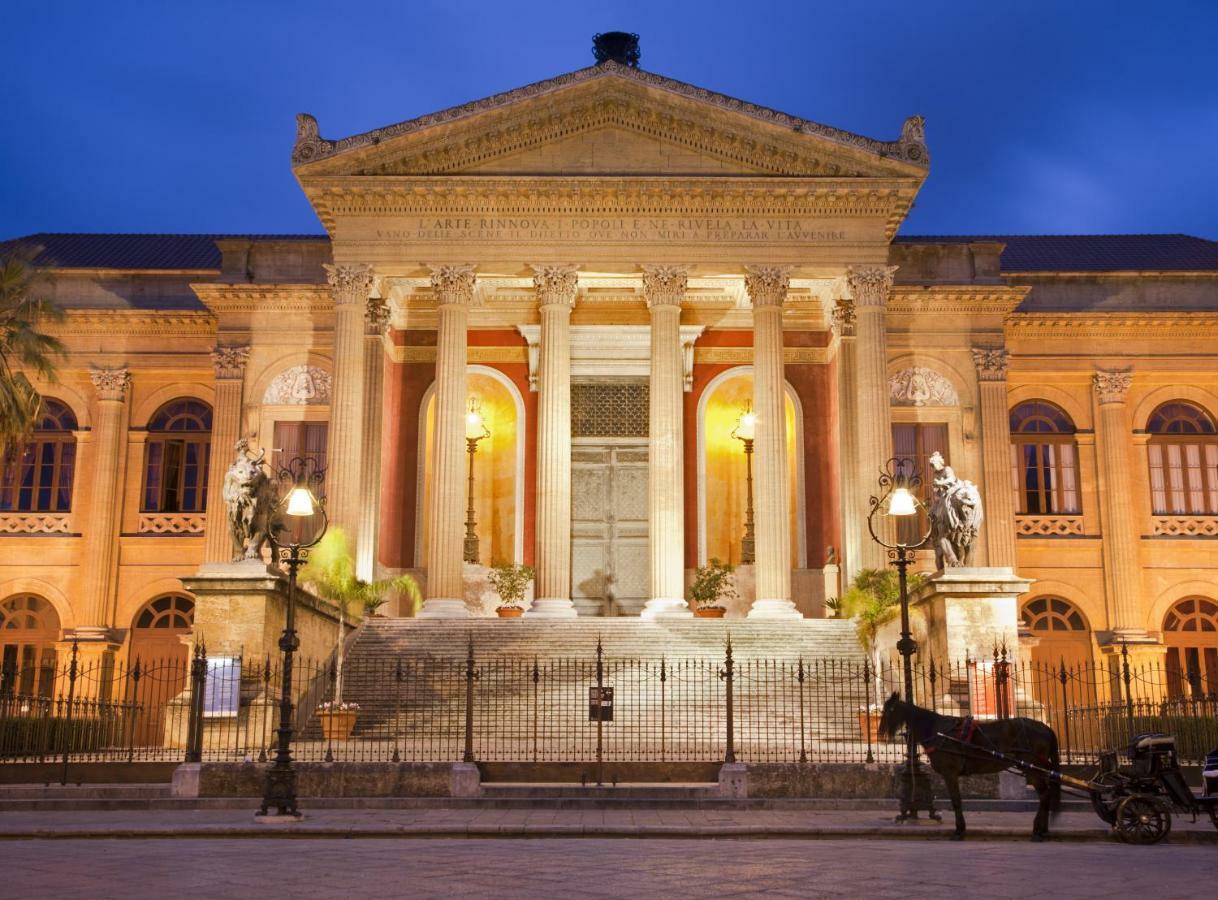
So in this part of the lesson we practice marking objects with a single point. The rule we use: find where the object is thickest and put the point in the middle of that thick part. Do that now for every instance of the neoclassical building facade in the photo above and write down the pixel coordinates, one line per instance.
(610, 268)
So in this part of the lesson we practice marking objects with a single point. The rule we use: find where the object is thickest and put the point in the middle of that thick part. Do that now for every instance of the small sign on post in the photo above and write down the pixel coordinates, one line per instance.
(600, 704)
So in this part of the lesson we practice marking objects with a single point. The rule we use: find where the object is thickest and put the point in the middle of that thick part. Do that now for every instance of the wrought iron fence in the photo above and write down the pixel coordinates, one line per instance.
(577, 708)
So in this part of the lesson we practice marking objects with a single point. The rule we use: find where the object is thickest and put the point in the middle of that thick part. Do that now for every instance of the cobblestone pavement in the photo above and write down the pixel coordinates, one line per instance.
(566, 868)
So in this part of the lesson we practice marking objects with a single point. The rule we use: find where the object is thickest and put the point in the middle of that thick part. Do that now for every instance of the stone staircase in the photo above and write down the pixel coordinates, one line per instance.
(533, 679)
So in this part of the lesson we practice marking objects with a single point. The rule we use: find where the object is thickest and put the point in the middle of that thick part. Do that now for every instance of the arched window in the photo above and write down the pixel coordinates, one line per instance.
(39, 479)
(176, 458)
(1190, 631)
(171, 611)
(1183, 454)
(29, 628)
(1053, 614)
(1043, 460)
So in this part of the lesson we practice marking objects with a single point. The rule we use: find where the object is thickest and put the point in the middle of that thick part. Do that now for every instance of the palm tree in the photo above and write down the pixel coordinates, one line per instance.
(23, 348)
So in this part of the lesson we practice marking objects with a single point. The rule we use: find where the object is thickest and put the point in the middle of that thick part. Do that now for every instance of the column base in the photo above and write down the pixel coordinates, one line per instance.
(552, 608)
(666, 608)
(443, 608)
(778, 608)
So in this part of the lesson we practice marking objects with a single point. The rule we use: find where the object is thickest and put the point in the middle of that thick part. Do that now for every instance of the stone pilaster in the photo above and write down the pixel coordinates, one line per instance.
(376, 320)
(1122, 566)
(999, 501)
(349, 286)
(225, 432)
(854, 495)
(664, 289)
(767, 289)
(556, 287)
(106, 471)
(453, 286)
(870, 286)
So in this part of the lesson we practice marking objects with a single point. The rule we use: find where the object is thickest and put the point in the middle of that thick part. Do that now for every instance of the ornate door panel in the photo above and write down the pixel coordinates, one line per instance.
(609, 565)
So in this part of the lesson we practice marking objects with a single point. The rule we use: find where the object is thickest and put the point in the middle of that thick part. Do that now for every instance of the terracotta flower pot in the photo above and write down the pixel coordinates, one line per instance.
(869, 727)
(337, 724)
(709, 612)
(510, 612)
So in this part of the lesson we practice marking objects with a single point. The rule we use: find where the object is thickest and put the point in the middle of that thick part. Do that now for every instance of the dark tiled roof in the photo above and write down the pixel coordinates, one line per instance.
(133, 251)
(1092, 252)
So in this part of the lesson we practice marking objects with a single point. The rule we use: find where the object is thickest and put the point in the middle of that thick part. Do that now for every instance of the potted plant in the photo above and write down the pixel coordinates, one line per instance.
(510, 582)
(873, 600)
(337, 719)
(712, 584)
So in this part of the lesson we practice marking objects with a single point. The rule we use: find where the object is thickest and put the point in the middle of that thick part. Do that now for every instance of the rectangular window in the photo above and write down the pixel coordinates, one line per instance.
(1183, 478)
(916, 442)
(1046, 481)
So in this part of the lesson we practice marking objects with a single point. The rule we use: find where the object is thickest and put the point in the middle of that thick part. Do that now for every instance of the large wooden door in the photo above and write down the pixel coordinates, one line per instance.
(609, 562)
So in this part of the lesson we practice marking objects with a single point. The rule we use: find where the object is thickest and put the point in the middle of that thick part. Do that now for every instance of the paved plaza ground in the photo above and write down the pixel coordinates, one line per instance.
(596, 867)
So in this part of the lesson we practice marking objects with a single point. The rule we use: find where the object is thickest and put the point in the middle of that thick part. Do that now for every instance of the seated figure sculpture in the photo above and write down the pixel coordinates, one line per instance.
(955, 516)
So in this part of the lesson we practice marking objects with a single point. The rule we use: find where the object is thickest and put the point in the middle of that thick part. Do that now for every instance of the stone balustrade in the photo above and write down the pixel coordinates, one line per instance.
(1185, 526)
(172, 523)
(35, 523)
(1048, 526)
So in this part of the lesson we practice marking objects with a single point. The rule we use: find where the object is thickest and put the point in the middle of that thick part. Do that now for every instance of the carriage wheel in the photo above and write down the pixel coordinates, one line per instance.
(1142, 820)
(1105, 797)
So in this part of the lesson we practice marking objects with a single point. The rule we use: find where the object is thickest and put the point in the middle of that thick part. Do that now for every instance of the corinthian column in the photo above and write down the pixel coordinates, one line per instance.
(349, 286)
(376, 319)
(225, 431)
(101, 527)
(870, 286)
(445, 595)
(556, 286)
(996, 456)
(854, 495)
(1121, 545)
(664, 289)
(767, 287)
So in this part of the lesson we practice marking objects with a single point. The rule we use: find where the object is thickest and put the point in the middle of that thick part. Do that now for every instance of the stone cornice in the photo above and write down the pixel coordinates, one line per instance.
(311, 151)
(1115, 325)
(311, 299)
(967, 299)
(134, 323)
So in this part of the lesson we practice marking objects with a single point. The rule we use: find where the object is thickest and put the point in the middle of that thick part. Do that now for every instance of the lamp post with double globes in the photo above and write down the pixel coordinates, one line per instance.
(897, 503)
(299, 524)
(475, 431)
(745, 432)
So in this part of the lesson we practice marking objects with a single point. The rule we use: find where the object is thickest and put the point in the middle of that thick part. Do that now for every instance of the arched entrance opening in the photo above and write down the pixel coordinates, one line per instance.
(1062, 642)
(1190, 631)
(158, 663)
(29, 630)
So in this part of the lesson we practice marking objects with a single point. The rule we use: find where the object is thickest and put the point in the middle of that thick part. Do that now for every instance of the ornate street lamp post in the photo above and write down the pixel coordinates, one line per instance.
(475, 431)
(898, 501)
(745, 431)
(299, 524)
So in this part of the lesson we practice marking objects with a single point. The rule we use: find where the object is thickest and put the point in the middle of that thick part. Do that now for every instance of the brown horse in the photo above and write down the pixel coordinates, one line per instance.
(1023, 739)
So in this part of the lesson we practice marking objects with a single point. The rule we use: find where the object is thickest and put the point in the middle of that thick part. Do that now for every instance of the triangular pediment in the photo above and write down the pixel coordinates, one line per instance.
(610, 120)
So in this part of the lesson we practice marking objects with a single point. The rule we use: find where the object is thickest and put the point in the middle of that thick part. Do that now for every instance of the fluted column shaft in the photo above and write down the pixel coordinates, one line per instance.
(556, 288)
(999, 522)
(349, 286)
(664, 289)
(870, 286)
(445, 595)
(101, 527)
(1121, 543)
(376, 318)
(225, 432)
(854, 495)
(767, 288)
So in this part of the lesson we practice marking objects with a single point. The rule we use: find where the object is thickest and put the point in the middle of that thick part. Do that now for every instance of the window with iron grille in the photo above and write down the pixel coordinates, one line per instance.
(609, 409)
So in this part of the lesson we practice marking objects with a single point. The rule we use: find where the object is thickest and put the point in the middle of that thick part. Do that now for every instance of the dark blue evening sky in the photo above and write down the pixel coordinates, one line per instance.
(1042, 117)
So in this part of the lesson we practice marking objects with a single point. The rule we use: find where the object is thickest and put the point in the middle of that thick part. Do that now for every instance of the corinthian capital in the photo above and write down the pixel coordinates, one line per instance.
(843, 317)
(1111, 385)
(556, 285)
(453, 284)
(991, 363)
(870, 284)
(767, 285)
(664, 285)
(349, 283)
(230, 362)
(111, 384)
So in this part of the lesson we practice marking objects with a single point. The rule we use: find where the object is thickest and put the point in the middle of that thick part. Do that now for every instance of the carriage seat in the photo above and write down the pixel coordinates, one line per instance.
(1153, 753)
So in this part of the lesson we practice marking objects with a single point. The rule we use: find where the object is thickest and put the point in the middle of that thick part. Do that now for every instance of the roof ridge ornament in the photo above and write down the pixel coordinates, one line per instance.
(621, 47)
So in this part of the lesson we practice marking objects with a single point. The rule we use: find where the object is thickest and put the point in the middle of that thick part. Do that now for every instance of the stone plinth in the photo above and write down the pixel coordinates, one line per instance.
(964, 613)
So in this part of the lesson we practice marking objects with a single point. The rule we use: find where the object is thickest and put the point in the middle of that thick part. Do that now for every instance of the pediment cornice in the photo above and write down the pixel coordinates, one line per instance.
(755, 139)
(223, 298)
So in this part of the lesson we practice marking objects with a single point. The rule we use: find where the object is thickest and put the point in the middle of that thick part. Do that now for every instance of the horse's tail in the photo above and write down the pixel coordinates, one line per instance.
(1055, 784)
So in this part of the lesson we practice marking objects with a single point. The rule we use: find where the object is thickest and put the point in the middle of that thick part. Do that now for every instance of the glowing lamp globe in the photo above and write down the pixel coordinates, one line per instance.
(300, 503)
(746, 426)
(902, 503)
